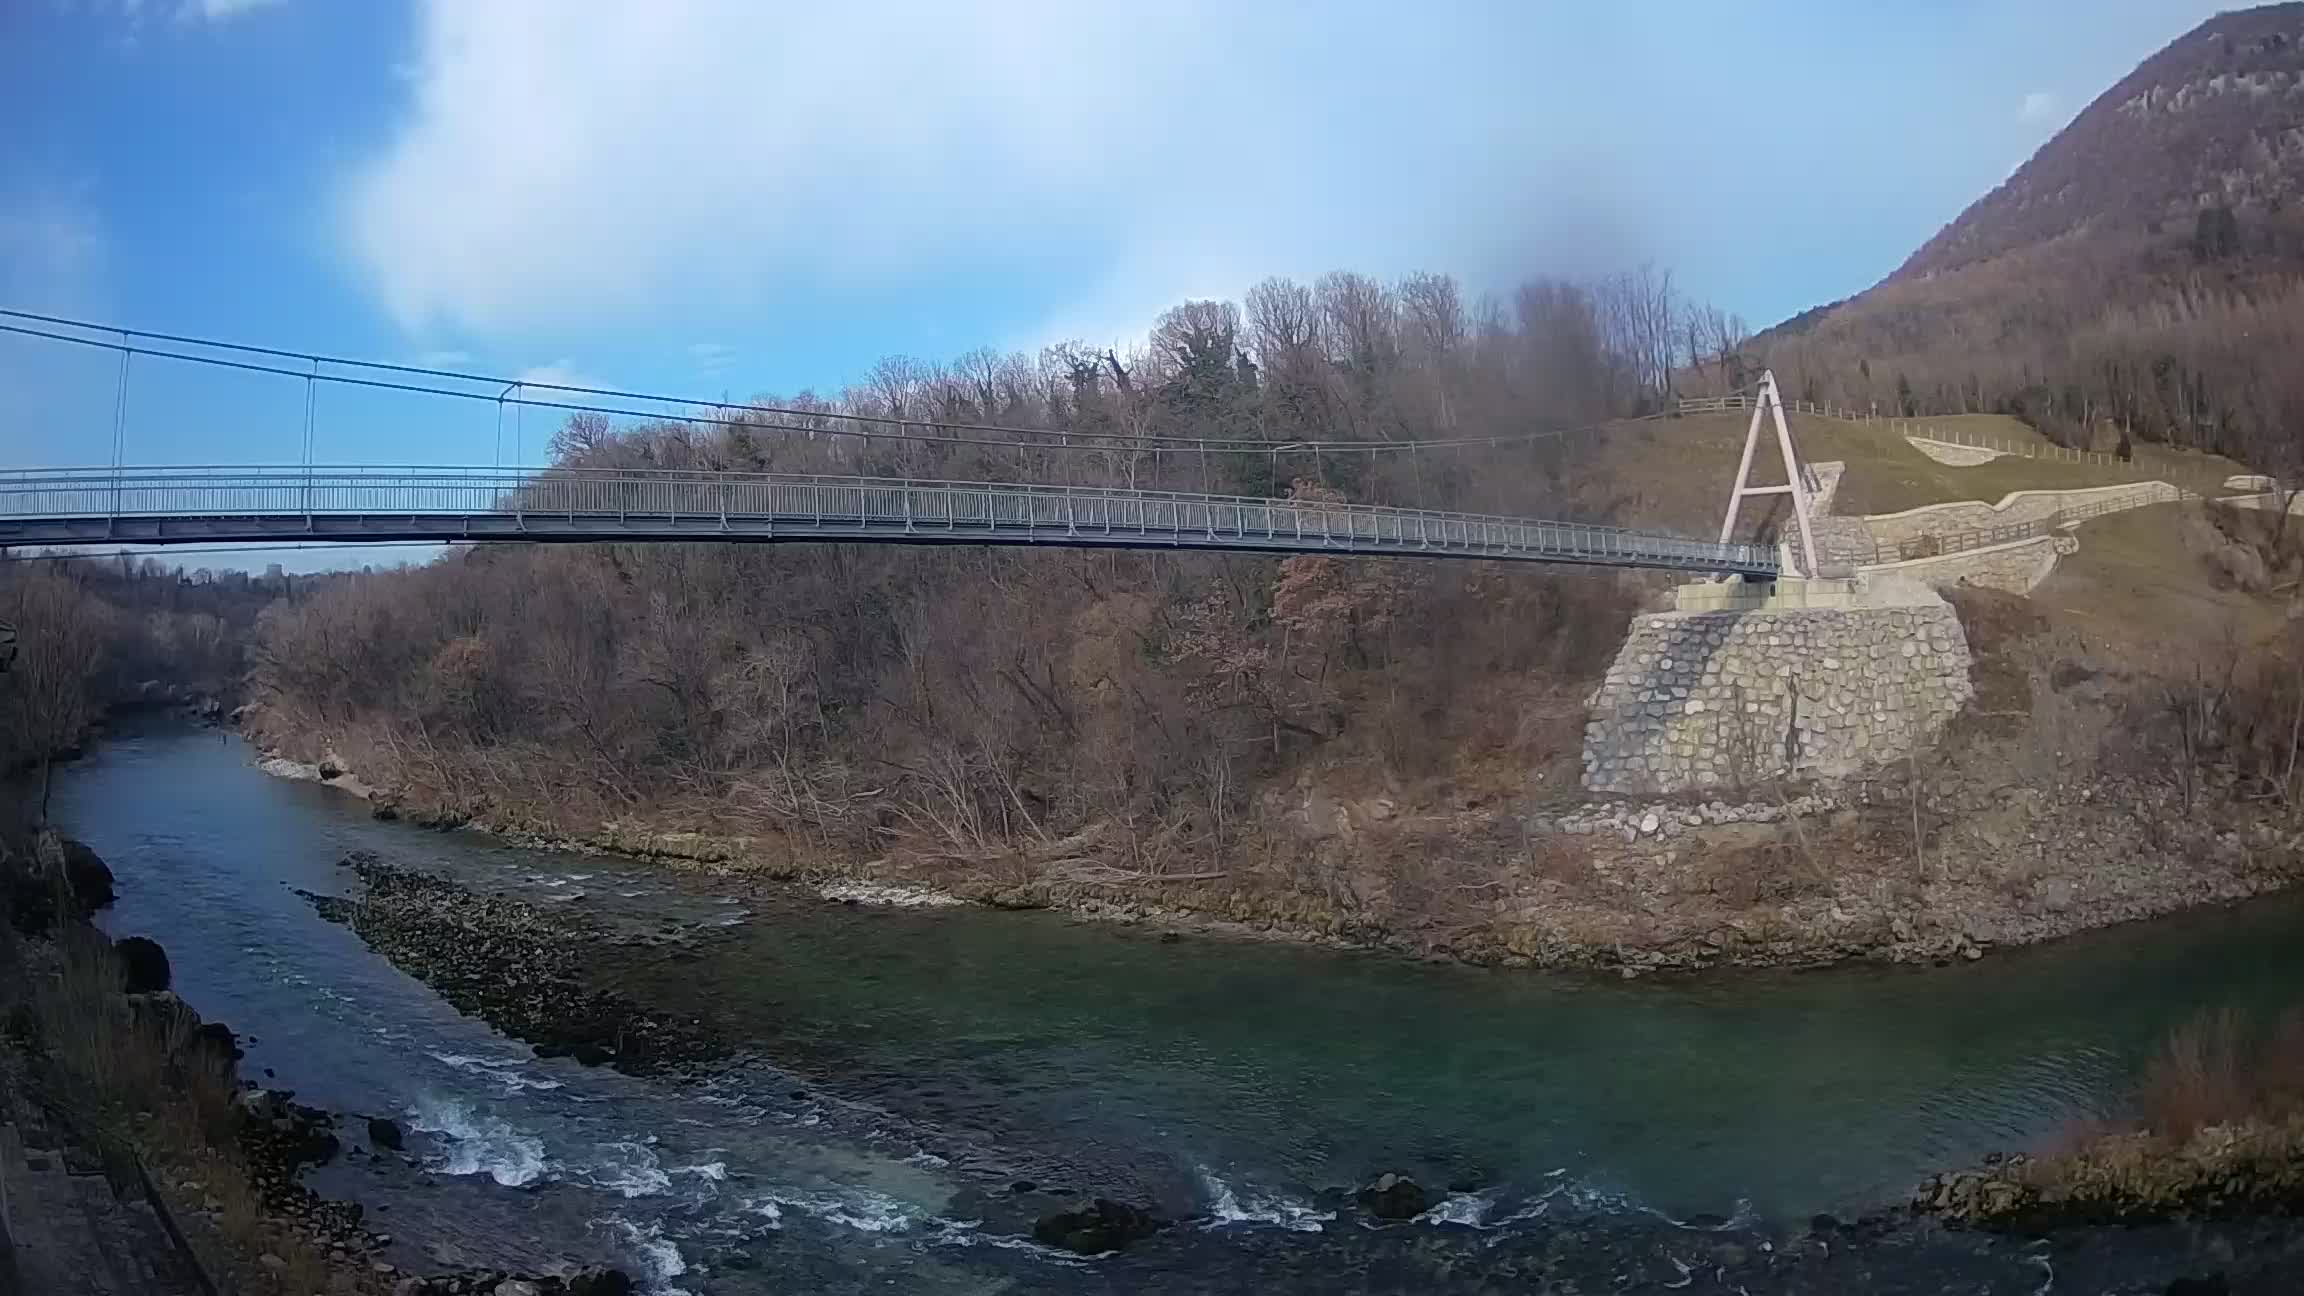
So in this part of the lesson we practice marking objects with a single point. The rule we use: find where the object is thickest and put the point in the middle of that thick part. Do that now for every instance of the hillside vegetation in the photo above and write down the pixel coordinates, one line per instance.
(2140, 278)
(1030, 717)
(1336, 745)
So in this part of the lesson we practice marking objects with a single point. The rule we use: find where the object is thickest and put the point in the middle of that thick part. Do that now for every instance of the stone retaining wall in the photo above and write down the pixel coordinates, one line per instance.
(2020, 507)
(2017, 567)
(1721, 699)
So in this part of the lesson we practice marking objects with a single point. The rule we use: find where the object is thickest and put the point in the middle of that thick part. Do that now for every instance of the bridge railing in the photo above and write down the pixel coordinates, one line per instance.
(854, 504)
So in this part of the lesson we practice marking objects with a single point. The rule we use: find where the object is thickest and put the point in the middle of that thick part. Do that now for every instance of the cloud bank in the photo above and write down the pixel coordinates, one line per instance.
(562, 167)
(564, 161)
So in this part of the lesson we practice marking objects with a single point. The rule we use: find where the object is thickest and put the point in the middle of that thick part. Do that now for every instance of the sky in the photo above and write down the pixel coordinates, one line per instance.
(737, 197)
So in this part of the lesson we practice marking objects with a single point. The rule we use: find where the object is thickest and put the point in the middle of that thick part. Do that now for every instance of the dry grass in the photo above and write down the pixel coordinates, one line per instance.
(1676, 472)
(2215, 1070)
(142, 1089)
(2219, 1127)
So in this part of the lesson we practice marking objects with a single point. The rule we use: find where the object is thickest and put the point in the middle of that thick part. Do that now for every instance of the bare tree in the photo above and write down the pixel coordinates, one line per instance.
(60, 644)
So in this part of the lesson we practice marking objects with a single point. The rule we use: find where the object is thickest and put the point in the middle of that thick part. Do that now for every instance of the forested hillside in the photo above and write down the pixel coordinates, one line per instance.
(2141, 276)
(1033, 711)
(102, 632)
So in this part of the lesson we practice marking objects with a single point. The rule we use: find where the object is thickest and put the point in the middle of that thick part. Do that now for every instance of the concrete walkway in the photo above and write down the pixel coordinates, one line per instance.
(63, 1232)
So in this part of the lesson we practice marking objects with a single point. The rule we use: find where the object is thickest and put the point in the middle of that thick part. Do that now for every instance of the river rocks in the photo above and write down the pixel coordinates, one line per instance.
(287, 1135)
(1101, 1226)
(521, 967)
(386, 1134)
(1633, 821)
(518, 1287)
(599, 1280)
(1994, 1196)
(218, 1040)
(143, 964)
(1393, 1197)
(87, 879)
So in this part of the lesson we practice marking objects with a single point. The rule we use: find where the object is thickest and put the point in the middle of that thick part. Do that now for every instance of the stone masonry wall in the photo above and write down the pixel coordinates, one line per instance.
(2020, 507)
(1698, 700)
(2017, 567)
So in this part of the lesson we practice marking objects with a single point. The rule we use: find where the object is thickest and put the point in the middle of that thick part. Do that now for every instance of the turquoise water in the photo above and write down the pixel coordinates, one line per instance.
(906, 1066)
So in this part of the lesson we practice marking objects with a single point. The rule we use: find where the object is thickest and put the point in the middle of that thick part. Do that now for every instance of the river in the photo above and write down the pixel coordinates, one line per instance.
(906, 1068)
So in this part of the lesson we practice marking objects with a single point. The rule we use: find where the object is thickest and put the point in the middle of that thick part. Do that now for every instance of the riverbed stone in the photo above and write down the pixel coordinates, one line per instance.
(1101, 1226)
(598, 1280)
(1393, 1197)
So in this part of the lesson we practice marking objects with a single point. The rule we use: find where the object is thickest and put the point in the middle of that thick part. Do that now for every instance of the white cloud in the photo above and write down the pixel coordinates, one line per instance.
(2039, 106)
(559, 373)
(561, 166)
(220, 10)
(442, 359)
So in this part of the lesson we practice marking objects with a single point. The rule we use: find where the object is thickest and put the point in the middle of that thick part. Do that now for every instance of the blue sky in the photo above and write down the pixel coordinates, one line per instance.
(738, 197)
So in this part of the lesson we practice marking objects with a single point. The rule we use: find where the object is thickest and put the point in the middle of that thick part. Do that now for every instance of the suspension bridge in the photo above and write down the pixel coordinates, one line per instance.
(121, 504)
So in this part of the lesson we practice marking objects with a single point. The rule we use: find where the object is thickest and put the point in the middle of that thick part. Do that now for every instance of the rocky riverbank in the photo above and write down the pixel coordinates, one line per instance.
(101, 1055)
(1927, 863)
(1853, 872)
(515, 965)
(2124, 1178)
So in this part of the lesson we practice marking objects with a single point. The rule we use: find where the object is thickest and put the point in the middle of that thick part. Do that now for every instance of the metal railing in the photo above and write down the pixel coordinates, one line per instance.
(163, 505)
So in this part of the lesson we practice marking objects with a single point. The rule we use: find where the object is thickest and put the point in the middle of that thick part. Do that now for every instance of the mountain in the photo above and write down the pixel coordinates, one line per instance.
(2142, 275)
(2213, 122)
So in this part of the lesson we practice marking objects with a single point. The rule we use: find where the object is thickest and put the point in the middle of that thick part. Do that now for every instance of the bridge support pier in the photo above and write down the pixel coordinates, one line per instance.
(1810, 679)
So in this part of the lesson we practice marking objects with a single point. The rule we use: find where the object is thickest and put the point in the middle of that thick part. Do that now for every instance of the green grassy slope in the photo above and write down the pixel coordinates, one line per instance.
(1675, 472)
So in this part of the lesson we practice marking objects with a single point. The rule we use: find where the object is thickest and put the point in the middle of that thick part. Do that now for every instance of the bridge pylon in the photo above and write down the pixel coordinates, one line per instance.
(1768, 403)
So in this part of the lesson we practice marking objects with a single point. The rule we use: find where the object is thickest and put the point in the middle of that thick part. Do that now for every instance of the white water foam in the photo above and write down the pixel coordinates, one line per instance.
(857, 1208)
(626, 1169)
(480, 1144)
(631, 1169)
(660, 1261)
(967, 1233)
(1227, 1205)
(881, 893)
(1468, 1209)
(503, 1073)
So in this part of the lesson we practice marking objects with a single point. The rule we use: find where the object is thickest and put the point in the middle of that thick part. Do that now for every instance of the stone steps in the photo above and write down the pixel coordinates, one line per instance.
(64, 1232)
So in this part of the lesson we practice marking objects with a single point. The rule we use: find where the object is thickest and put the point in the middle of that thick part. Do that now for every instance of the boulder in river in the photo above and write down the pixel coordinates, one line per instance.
(86, 874)
(385, 1133)
(1100, 1226)
(218, 1039)
(1393, 1197)
(598, 1280)
(143, 964)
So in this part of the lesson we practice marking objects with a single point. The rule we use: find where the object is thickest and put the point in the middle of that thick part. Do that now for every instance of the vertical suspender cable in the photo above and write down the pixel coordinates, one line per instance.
(120, 421)
(311, 395)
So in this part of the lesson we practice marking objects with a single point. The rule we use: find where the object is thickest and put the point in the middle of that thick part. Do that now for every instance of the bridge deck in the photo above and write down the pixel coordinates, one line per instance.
(186, 505)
